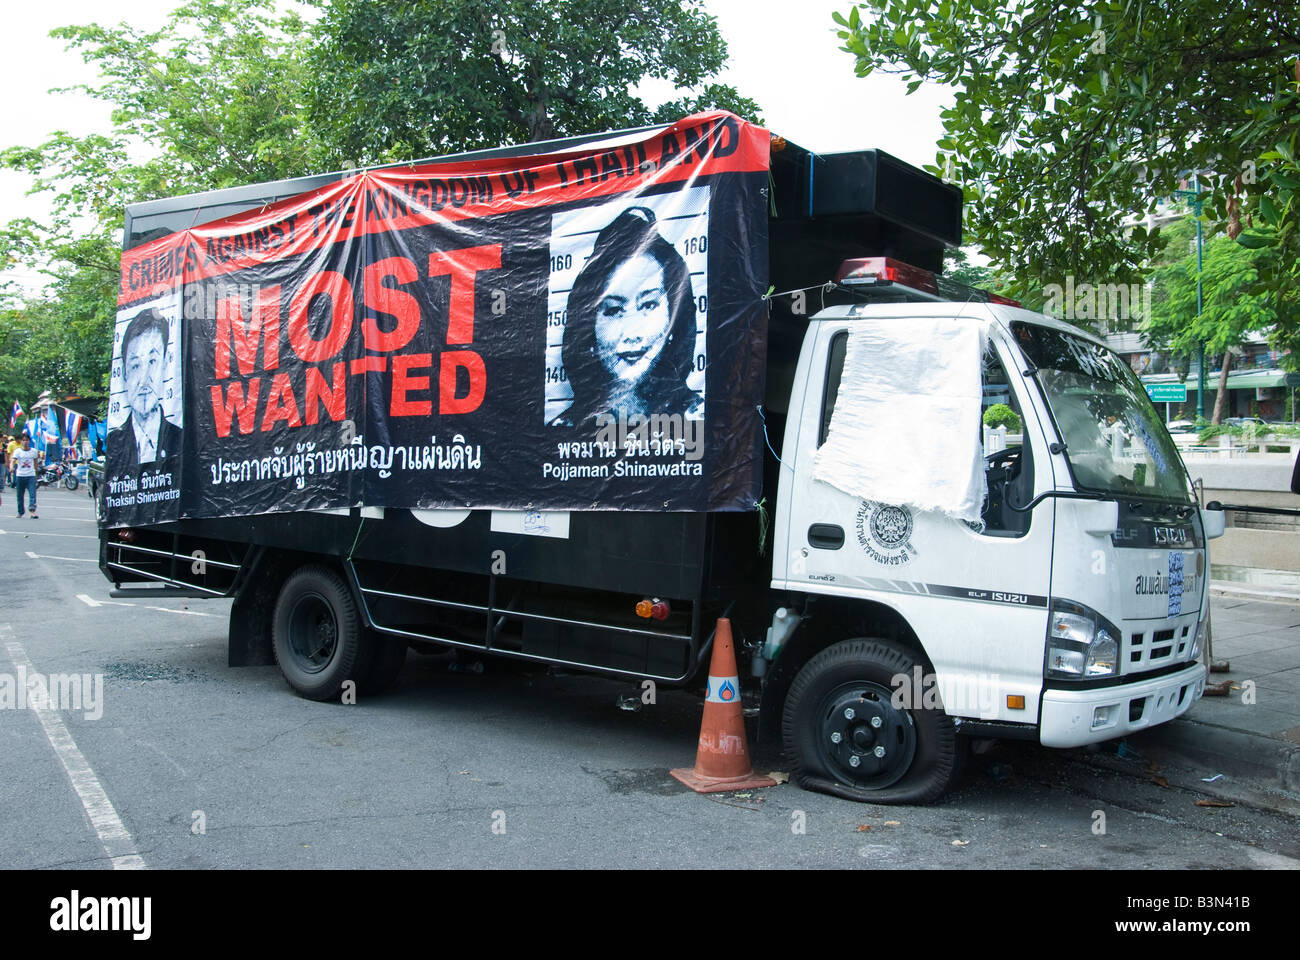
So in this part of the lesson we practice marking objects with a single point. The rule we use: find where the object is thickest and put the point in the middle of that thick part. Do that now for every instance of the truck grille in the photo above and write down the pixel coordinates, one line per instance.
(1147, 651)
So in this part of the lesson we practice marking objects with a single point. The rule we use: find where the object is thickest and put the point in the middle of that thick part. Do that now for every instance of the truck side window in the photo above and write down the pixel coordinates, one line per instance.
(834, 370)
(1008, 465)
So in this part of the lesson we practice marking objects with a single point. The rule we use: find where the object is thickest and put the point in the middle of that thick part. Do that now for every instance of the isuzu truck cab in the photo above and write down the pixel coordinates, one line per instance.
(901, 577)
(1073, 612)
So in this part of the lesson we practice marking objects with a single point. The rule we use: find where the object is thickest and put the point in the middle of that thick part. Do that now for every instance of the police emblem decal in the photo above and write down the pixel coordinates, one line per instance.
(885, 532)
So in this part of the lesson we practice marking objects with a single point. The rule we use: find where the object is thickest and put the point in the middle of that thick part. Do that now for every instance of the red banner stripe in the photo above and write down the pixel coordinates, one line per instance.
(389, 200)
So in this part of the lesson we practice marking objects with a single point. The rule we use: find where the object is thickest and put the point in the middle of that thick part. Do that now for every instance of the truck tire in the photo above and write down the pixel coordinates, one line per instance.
(387, 657)
(830, 721)
(317, 635)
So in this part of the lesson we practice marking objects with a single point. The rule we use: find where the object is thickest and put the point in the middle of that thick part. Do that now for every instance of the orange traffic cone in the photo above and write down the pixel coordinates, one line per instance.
(722, 760)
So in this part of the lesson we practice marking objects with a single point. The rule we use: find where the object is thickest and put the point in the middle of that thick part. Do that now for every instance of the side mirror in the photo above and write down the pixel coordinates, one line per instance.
(1099, 518)
(1213, 520)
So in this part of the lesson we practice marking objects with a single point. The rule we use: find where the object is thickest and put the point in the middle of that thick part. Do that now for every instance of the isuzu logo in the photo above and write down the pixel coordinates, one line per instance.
(1176, 536)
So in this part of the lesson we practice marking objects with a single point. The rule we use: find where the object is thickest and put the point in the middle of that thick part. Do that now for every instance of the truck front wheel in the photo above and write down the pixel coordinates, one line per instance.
(316, 633)
(847, 733)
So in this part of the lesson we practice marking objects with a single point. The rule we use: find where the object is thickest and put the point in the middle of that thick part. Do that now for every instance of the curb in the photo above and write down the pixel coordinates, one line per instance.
(1230, 588)
(1259, 770)
(1229, 751)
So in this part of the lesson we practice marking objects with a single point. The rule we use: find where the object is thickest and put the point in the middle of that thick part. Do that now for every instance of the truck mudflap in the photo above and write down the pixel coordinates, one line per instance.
(1072, 718)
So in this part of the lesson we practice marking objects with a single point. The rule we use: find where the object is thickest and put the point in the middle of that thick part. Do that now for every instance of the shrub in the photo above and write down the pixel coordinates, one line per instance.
(1000, 415)
(1213, 431)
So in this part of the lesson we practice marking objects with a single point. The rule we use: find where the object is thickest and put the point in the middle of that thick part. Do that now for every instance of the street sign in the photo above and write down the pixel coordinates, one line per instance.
(1167, 392)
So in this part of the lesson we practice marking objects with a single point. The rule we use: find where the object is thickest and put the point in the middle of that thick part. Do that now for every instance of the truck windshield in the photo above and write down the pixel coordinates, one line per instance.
(1115, 442)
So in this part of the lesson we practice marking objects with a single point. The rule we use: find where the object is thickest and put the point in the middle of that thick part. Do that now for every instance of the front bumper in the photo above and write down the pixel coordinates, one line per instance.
(1071, 718)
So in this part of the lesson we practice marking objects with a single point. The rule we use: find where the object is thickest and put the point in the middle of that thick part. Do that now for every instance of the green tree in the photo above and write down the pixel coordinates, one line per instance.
(957, 266)
(395, 81)
(218, 91)
(1234, 304)
(15, 384)
(1070, 119)
(213, 98)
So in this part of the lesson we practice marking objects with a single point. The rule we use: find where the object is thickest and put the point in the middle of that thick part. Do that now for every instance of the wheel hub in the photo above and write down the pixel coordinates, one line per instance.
(869, 742)
(313, 633)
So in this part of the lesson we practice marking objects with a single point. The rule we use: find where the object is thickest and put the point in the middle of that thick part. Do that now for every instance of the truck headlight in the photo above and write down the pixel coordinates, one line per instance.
(1103, 655)
(1077, 648)
(1068, 636)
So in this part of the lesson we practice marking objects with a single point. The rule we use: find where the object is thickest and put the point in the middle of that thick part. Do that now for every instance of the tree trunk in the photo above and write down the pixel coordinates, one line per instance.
(1221, 398)
(540, 124)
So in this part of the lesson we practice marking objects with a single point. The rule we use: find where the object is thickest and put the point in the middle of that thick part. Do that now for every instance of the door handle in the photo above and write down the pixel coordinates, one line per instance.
(826, 536)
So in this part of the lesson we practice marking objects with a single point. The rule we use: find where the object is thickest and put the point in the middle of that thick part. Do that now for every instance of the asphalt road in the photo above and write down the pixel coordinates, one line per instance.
(195, 764)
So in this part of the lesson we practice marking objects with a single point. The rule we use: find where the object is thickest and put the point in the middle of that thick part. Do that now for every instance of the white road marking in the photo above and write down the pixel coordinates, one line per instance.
(188, 613)
(39, 533)
(113, 835)
(46, 556)
(54, 506)
(1272, 861)
(92, 602)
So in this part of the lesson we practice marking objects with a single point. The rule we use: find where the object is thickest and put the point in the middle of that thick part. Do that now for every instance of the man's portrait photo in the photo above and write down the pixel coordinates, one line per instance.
(146, 385)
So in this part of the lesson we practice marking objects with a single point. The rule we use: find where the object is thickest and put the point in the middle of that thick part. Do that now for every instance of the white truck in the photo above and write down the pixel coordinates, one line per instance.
(1066, 602)
(1076, 614)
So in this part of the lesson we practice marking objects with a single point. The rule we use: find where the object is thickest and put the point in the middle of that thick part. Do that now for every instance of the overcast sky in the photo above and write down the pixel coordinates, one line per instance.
(783, 54)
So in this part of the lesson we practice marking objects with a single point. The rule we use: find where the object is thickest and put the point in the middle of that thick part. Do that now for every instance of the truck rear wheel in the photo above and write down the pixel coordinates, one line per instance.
(846, 735)
(317, 635)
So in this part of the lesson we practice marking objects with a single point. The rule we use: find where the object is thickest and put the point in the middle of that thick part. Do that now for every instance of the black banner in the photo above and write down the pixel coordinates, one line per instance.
(569, 331)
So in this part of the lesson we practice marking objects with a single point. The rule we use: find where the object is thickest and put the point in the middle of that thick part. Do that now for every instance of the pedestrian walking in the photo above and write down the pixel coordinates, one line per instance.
(24, 462)
(10, 446)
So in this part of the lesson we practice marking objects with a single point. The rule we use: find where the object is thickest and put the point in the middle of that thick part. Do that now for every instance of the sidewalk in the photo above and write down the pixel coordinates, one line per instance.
(1252, 736)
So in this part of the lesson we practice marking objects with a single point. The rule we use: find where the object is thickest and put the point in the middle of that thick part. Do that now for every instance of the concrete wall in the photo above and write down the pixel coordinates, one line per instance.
(1252, 540)
(1268, 473)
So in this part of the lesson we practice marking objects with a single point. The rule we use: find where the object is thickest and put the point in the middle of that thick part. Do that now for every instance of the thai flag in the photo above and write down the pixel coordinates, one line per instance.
(72, 423)
(15, 414)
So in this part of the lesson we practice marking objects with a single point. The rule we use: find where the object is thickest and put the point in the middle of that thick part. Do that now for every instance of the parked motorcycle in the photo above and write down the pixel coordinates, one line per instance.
(55, 473)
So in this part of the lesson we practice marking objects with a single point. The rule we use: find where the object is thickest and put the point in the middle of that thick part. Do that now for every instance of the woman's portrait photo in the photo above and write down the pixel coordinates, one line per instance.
(630, 338)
